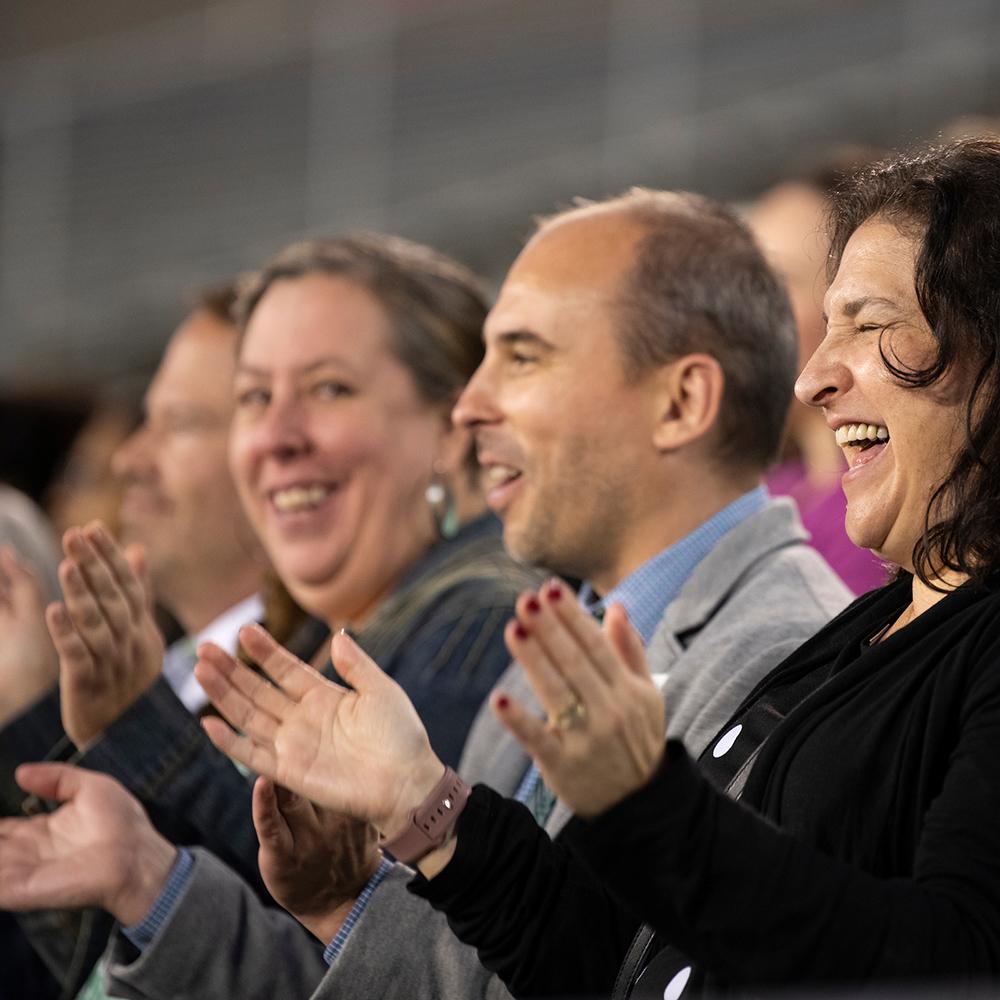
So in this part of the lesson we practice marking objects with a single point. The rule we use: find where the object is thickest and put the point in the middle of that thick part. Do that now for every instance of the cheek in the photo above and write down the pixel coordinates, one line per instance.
(347, 445)
(241, 454)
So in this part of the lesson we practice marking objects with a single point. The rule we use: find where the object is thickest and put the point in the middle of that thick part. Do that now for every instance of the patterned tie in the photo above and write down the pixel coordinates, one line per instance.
(93, 988)
(537, 796)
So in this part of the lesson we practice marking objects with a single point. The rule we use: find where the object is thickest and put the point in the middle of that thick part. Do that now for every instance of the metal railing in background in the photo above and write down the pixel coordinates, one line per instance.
(143, 160)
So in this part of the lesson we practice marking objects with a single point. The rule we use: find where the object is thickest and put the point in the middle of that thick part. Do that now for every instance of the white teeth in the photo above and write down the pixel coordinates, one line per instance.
(299, 497)
(494, 475)
(857, 433)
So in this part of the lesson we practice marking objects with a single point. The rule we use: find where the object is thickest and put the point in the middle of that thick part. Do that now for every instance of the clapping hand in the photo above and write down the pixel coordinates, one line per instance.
(97, 849)
(604, 735)
(110, 648)
(361, 752)
(314, 862)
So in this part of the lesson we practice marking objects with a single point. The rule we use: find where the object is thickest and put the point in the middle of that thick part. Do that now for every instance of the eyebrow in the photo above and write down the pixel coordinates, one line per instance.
(852, 308)
(511, 338)
(245, 369)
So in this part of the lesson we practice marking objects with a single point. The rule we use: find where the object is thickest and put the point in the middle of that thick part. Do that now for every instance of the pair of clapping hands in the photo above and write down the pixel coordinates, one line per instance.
(336, 764)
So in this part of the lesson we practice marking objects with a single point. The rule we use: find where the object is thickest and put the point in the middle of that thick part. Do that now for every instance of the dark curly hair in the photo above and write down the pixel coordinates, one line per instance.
(948, 199)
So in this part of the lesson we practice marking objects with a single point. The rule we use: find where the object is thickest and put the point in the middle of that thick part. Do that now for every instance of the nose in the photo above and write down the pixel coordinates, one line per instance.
(824, 377)
(283, 431)
(478, 402)
(133, 458)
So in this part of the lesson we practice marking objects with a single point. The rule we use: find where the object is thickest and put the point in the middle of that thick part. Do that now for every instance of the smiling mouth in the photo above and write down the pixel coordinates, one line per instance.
(499, 475)
(294, 499)
(862, 442)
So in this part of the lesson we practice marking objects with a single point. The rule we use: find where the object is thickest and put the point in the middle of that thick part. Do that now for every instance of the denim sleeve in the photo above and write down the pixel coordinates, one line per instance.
(452, 661)
(27, 737)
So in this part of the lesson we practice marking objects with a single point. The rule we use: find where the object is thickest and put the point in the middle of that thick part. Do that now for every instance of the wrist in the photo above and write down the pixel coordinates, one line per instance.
(151, 859)
(325, 926)
(418, 784)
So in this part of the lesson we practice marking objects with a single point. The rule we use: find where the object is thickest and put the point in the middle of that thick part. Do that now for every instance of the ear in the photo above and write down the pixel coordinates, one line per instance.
(688, 400)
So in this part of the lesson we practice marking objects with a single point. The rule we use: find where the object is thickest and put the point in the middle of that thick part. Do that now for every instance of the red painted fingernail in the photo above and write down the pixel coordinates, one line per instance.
(503, 702)
(532, 605)
(520, 631)
(554, 592)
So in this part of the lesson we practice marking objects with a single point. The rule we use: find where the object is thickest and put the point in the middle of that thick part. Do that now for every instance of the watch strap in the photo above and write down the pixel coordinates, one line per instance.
(431, 823)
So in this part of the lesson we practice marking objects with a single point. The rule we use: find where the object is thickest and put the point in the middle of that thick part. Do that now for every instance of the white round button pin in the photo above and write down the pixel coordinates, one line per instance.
(676, 985)
(726, 741)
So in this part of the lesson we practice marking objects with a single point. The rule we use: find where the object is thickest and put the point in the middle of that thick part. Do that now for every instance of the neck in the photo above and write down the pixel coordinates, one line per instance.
(924, 597)
(660, 528)
(199, 606)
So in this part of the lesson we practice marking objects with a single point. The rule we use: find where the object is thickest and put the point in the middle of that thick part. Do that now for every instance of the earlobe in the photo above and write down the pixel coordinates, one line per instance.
(689, 401)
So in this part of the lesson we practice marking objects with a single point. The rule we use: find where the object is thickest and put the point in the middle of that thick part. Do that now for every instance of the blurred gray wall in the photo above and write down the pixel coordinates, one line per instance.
(147, 147)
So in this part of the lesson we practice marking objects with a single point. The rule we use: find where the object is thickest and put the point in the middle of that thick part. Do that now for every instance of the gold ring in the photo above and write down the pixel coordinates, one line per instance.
(571, 716)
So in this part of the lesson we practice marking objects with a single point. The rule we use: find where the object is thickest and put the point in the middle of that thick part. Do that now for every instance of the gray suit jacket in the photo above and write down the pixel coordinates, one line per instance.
(757, 596)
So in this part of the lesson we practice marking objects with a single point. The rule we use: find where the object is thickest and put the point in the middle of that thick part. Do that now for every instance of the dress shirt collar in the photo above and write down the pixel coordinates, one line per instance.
(646, 591)
(179, 660)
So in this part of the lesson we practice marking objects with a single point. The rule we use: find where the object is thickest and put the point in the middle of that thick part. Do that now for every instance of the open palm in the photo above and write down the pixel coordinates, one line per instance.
(363, 752)
(83, 854)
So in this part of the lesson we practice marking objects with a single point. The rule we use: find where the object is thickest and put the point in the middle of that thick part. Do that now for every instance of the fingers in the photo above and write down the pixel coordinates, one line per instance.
(531, 732)
(54, 782)
(564, 662)
(578, 625)
(268, 820)
(247, 701)
(85, 613)
(546, 680)
(294, 676)
(76, 663)
(355, 665)
(127, 581)
(253, 756)
(626, 641)
(100, 589)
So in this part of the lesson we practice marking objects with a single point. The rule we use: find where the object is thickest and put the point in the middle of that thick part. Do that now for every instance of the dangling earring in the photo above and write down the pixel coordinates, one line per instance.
(442, 503)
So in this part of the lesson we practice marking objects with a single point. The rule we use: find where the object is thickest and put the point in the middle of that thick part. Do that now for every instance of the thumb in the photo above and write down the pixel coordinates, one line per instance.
(272, 831)
(54, 782)
(625, 640)
(355, 665)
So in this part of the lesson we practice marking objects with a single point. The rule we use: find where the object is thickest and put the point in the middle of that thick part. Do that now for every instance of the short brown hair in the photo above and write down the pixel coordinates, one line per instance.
(699, 283)
(218, 300)
(436, 307)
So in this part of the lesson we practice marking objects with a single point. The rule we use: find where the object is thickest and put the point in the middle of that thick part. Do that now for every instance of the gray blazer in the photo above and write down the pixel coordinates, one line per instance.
(757, 596)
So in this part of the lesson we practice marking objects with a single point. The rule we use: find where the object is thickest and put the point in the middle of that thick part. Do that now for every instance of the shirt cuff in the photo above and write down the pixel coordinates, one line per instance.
(143, 934)
(334, 948)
